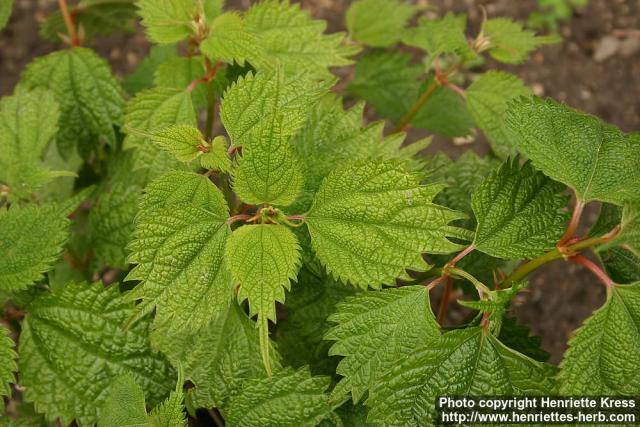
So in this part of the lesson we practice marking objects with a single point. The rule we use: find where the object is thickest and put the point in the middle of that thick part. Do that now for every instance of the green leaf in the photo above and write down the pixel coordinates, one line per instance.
(73, 346)
(217, 158)
(288, 398)
(462, 177)
(388, 81)
(230, 40)
(151, 110)
(622, 265)
(258, 98)
(378, 23)
(5, 12)
(445, 113)
(375, 330)
(178, 244)
(629, 235)
(518, 210)
(604, 353)
(169, 413)
(94, 17)
(309, 304)
(143, 76)
(31, 240)
(7, 362)
(28, 122)
(487, 99)
(168, 21)
(440, 36)
(90, 97)
(508, 42)
(261, 112)
(593, 158)
(222, 358)
(332, 137)
(263, 259)
(466, 362)
(371, 221)
(517, 337)
(124, 405)
(111, 224)
(183, 141)
(285, 34)
(180, 72)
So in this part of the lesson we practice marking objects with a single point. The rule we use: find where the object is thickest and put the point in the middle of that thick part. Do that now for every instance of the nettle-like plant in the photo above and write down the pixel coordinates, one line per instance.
(276, 270)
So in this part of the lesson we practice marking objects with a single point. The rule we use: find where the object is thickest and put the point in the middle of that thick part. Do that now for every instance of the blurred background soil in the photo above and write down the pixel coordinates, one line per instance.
(596, 68)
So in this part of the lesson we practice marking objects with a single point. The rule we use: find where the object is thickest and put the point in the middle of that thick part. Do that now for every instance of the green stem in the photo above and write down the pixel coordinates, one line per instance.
(426, 95)
(528, 267)
(481, 287)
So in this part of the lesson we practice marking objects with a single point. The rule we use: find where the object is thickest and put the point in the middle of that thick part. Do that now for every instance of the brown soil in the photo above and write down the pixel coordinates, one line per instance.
(596, 68)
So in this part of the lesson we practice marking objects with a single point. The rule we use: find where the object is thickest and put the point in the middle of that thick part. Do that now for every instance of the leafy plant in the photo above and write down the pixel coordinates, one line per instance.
(278, 256)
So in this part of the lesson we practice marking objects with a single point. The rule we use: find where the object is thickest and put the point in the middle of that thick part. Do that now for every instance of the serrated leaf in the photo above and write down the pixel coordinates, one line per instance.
(222, 358)
(72, 346)
(31, 240)
(604, 353)
(90, 97)
(288, 398)
(309, 304)
(332, 136)
(178, 245)
(371, 221)
(124, 405)
(378, 23)
(440, 36)
(622, 265)
(143, 76)
(111, 224)
(230, 40)
(94, 17)
(487, 99)
(518, 210)
(217, 158)
(183, 141)
(5, 12)
(509, 42)
(28, 122)
(462, 177)
(286, 35)
(388, 81)
(7, 362)
(376, 329)
(598, 161)
(168, 21)
(258, 98)
(629, 235)
(261, 112)
(169, 413)
(466, 362)
(518, 337)
(263, 259)
(180, 72)
(156, 109)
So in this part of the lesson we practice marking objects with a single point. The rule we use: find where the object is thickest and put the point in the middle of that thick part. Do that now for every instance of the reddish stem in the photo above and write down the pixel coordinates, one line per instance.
(69, 23)
(573, 224)
(240, 217)
(594, 268)
(461, 255)
(444, 302)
